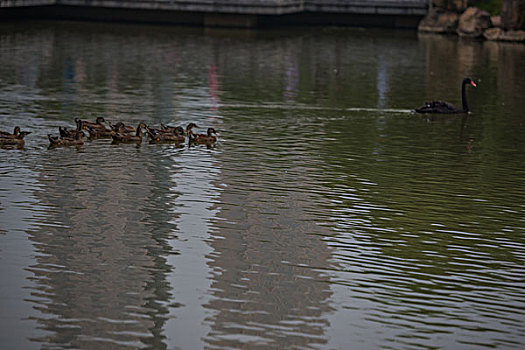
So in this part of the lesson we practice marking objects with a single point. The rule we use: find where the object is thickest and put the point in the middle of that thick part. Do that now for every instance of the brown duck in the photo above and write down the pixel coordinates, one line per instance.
(14, 140)
(64, 132)
(56, 141)
(95, 133)
(96, 125)
(158, 136)
(178, 130)
(120, 137)
(208, 138)
(15, 133)
(122, 128)
(189, 128)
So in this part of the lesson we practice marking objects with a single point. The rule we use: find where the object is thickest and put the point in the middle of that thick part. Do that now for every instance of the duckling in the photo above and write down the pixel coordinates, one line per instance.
(119, 137)
(56, 141)
(207, 138)
(18, 140)
(97, 124)
(15, 133)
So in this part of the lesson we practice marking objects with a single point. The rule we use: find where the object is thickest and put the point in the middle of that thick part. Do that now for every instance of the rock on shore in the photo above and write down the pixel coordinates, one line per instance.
(459, 17)
(499, 34)
(473, 22)
(439, 21)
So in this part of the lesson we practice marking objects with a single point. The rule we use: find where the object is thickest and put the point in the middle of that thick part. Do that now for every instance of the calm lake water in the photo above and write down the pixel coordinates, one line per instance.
(328, 216)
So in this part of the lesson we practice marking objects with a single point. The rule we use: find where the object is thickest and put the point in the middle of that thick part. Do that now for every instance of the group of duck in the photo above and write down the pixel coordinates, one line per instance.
(125, 133)
(120, 133)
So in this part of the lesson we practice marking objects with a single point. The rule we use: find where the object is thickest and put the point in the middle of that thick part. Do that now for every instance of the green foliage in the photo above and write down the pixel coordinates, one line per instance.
(491, 6)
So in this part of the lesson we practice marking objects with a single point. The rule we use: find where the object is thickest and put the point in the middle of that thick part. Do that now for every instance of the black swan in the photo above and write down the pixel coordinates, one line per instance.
(445, 107)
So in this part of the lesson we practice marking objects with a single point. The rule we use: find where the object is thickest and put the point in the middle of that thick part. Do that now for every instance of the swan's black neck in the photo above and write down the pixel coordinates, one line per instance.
(464, 96)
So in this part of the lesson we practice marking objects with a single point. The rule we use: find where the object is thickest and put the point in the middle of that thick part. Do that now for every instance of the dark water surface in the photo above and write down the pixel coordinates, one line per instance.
(328, 216)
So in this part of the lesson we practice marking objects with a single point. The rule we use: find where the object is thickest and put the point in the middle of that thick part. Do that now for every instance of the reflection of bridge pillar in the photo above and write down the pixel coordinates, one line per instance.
(268, 288)
(190, 277)
(382, 81)
(96, 261)
(18, 282)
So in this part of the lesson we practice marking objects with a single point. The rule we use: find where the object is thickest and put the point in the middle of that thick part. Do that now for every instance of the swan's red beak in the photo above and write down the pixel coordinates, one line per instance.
(473, 83)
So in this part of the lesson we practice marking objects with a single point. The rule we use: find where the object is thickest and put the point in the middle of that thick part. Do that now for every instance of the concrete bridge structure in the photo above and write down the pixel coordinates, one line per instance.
(227, 13)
